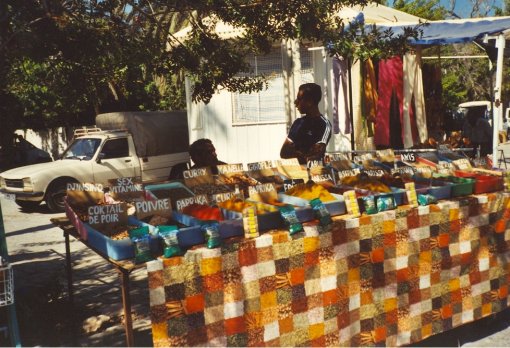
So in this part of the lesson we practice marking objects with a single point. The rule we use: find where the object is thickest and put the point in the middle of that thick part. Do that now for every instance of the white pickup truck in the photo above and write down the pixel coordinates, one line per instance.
(123, 144)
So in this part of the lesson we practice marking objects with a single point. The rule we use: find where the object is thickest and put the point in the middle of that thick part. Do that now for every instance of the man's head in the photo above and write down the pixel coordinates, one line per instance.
(203, 153)
(308, 97)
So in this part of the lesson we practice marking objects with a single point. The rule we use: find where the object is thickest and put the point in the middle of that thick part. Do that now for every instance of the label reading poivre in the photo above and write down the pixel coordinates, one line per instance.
(161, 207)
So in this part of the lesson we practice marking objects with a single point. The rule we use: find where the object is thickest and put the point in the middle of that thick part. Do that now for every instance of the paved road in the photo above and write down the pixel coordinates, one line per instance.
(37, 252)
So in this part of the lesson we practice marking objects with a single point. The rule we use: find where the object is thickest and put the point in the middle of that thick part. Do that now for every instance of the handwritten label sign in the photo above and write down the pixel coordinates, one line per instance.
(385, 155)
(183, 203)
(445, 168)
(403, 171)
(463, 164)
(322, 178)
(161, 207)
(444, 148)
(84, 195)
(291, 169)
(226, 169)
(351, 172)
(288, 162)
(108, 217)
(225, 196)
(288, 184)
(339, 161)
(425, 172)
(408, 157)
(198, 176)
(260, 165)
(263, 193)
(373, 172)
(127, 189)
(366, 159)
(262, 171)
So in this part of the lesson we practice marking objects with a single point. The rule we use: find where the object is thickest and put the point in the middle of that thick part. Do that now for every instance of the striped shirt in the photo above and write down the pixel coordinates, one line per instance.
(307, 131)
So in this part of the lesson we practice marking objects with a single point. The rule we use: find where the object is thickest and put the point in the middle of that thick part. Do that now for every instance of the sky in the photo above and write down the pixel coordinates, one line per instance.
(463, 7)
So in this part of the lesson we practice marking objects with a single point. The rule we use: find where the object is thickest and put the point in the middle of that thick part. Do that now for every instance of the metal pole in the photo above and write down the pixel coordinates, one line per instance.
(126, 303)
(13, 319)
(498, 114)
(349, 65)
(69, 269)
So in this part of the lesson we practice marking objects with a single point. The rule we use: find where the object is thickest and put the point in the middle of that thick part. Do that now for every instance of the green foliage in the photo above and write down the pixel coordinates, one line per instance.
(427, 9)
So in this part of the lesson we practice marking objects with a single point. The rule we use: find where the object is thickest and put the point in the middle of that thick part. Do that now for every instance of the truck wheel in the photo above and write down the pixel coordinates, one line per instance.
(55, 196)
(27, 205)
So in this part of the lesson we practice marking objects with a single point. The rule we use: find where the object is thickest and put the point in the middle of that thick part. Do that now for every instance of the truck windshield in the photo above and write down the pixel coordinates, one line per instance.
(82, 149)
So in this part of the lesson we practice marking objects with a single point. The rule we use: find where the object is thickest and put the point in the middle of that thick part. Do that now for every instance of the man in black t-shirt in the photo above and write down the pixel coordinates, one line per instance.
(309, 134)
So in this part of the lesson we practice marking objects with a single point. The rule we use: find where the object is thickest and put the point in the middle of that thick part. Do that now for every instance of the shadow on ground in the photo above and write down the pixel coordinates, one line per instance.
(47, 318)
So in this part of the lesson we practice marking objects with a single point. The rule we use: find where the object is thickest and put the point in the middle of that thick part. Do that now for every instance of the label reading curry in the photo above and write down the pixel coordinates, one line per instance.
(198, 176)
(223, 197)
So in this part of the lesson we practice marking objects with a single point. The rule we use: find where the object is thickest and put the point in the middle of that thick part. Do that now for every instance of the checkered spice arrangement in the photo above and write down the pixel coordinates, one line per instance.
(392, 278)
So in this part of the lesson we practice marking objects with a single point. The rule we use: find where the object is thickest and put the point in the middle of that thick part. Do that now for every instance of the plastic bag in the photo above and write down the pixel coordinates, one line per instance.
(170, 242)
(141, 240)
(288, 213)
(321, 212)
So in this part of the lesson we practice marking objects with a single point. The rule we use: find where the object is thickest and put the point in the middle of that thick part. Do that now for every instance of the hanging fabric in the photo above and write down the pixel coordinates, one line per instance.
(390, 81)
(341, 120)
(414, 118)
(395, 122)
(369, 95)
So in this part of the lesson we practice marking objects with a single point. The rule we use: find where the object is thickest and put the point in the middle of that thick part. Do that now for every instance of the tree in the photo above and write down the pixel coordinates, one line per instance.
(65, 61)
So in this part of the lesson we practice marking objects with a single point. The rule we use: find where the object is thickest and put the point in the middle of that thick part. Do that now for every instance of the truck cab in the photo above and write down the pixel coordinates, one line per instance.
(98, 156)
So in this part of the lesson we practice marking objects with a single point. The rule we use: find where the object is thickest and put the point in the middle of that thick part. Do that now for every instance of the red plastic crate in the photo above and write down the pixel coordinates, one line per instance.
(483, 183)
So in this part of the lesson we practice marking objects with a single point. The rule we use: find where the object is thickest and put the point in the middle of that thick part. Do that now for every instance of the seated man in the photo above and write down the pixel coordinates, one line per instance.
(203, 154)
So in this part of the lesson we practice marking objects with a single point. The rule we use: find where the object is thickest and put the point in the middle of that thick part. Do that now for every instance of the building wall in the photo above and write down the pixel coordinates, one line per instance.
(53, 140)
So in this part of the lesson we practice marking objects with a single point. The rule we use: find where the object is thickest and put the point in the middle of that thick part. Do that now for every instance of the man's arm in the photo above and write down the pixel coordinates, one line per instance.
(316, 151)
(289, 151)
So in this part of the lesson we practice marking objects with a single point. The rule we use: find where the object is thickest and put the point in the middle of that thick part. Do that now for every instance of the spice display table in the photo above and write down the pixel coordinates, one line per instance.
(392, 278)
(124, 268)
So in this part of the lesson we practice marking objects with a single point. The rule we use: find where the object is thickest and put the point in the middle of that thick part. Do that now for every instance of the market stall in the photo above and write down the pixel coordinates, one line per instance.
(386, 249)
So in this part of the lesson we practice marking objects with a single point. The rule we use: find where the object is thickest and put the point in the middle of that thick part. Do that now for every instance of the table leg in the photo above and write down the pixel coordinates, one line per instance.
(69, 269)
(126, 303)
